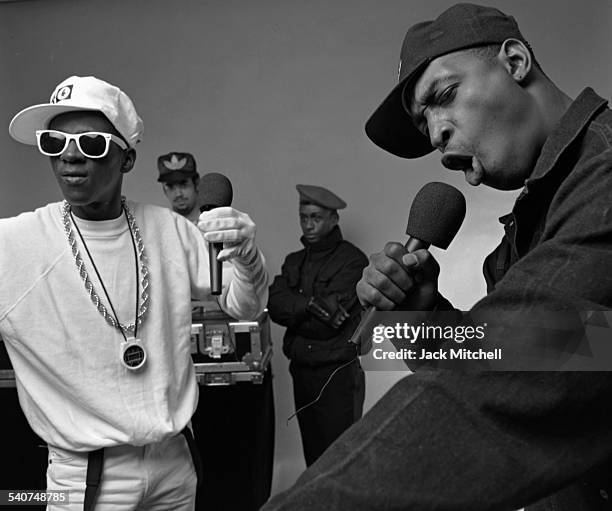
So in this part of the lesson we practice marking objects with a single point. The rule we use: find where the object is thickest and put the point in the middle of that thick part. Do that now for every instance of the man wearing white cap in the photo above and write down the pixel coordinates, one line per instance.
(103, 367)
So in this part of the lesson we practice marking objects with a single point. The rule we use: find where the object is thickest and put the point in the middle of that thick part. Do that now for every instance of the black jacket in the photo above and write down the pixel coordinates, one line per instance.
(329, 270)
(489, 440)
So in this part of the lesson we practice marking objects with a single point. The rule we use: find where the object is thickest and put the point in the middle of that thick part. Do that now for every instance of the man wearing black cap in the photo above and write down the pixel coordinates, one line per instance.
(177, 173)
(470, 87)
(314, 297)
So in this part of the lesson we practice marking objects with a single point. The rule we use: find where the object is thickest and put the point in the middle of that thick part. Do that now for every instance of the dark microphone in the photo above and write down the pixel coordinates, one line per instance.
(436, 214)
(215, 192)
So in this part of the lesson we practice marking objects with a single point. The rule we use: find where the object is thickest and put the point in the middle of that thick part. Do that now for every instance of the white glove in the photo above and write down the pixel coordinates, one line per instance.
(234, 229)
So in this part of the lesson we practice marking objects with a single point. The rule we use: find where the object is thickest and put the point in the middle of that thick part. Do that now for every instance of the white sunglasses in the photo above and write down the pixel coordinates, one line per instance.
(92, 144)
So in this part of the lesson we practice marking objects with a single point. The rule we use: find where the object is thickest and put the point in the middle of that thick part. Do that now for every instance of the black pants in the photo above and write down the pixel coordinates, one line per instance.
(340, 405)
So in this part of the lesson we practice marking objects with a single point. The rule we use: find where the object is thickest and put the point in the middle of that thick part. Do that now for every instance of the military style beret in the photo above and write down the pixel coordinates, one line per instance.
(320, 196)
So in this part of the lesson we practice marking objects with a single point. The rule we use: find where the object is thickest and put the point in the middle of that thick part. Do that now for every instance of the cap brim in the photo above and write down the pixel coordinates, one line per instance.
(176, 175)
(37, 117)
(391, 128)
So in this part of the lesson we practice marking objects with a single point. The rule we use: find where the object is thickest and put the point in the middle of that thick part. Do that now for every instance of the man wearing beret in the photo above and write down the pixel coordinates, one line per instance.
(314, 297)
(179, 179)
(95, 309)
(470, 87)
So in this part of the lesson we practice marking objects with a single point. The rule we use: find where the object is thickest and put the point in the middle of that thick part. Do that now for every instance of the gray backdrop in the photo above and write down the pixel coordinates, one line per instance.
(273, 93)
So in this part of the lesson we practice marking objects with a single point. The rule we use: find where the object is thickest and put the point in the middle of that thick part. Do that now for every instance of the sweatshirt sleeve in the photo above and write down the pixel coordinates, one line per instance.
(245, 286)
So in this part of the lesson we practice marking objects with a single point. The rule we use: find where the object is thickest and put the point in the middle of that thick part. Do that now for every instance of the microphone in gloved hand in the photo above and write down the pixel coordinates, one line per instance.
(436, 215)
(215, 192)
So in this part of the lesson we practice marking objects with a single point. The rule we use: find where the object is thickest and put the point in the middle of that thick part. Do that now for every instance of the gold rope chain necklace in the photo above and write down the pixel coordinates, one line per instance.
(89, 287)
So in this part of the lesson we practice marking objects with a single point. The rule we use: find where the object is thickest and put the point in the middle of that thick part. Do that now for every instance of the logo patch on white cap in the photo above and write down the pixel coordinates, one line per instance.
(80, 93)
(62, 94)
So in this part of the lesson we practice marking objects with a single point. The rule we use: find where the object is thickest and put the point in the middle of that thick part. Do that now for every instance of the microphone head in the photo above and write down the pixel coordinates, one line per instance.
(436, 214)
(215, 191)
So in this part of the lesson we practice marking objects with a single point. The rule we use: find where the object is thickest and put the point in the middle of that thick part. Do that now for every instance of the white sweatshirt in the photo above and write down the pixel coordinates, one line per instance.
(72, 387)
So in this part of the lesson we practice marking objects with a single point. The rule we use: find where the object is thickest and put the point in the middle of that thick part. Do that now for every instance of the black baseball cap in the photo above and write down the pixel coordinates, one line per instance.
(460, 27)
(176, 166)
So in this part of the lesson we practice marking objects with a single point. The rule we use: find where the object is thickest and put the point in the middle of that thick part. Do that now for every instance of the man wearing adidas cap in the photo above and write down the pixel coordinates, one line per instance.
(469, 86)
(180, 181)
(95, 308)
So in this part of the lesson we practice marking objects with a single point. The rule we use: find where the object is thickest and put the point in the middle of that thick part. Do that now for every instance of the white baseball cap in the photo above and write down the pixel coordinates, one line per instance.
(80, 93)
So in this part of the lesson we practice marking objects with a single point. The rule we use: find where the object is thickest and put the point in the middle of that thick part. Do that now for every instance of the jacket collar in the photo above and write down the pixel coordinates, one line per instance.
(571, 125)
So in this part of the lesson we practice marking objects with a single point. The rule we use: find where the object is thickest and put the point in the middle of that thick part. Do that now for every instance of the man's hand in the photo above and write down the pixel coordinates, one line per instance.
(328, 310)
(397, 278)
(234, 229)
